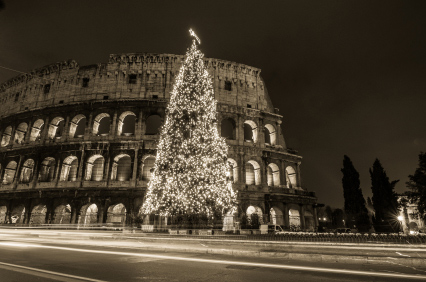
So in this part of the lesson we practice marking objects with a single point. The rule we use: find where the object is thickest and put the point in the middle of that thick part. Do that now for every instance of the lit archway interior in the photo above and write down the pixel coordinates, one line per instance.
(121, 168)
(273, 173)
(126, 124)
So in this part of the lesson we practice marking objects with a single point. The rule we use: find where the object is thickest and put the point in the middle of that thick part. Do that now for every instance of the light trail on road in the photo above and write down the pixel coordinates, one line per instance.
(45, 273)
(229, 262)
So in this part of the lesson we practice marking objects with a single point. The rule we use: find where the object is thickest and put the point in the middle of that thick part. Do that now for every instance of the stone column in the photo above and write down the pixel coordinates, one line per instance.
(28, 134)
(80, 174)
(113, 126)
(65, 132)
(286, 216)
(299, 178)
(17, 172)
(302, 217)
(89, 127)
(44, 134)
(135, 165)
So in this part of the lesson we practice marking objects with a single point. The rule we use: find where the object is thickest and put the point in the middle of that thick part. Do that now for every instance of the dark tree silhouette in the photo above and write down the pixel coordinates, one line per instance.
(385, 200)
(356, 212)
(417, 184)
(1, 5)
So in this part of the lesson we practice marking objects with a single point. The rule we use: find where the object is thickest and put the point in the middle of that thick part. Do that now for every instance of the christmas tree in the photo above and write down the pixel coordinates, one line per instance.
(191, 168)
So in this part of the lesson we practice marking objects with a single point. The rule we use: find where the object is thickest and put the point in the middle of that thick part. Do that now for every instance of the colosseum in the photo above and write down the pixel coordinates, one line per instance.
(78, 142)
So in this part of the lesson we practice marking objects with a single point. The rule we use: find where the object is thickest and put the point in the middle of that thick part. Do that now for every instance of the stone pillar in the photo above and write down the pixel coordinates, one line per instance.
(135, 165)
(17, 172)
(113, 126)
(302, 217)
(107, 170)
(299, 178)
(56, 176)
(283, 179)
(12, 136)
(140, 128)
(45, 131)
(65, 132)
(80, 174)
(89, 127)
(286, 216)
(28, 134)
(34, 179)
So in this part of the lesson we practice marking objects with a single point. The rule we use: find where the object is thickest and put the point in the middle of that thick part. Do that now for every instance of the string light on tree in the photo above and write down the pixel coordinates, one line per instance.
(190, 170)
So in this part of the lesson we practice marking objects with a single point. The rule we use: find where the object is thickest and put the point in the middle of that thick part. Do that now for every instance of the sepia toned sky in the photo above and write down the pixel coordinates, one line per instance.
(349, 77)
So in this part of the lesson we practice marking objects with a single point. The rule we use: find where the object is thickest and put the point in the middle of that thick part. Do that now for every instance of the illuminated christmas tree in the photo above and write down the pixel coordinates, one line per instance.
(191, 168)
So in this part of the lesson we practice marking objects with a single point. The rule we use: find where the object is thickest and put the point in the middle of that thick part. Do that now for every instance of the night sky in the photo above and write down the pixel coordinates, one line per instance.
(348, 77)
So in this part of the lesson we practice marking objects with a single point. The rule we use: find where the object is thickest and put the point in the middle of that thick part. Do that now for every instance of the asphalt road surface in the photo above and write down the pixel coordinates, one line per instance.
(50, 261)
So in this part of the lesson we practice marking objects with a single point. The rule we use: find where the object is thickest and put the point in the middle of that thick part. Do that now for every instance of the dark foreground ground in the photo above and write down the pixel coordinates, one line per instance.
(58, 258)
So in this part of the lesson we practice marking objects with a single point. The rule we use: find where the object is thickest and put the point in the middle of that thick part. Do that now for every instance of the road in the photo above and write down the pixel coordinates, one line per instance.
(49, 260)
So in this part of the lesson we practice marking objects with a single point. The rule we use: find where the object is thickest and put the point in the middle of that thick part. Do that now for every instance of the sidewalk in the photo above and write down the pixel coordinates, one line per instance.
(406, 255)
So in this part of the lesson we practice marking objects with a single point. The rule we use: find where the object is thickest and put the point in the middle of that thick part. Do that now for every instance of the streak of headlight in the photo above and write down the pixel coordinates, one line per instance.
(267, 265)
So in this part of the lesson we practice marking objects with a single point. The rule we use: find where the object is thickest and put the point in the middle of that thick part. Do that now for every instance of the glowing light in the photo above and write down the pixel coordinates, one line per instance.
(400, 218)
(190, 170)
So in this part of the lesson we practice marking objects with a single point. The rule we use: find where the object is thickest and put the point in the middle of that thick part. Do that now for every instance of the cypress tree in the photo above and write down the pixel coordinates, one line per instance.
(417, 184)
(385, 200)
(356, 212)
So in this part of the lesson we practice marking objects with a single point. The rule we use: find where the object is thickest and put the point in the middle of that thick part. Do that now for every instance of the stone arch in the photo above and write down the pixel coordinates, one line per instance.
(273, 173)
(27, 171)
(153, 124)
(20, 132)
(88, 214)
(5, 139)
(36, 130)
(56, 127)
(95, 168)
(252, 173)
(233, 170)
(117, 214)
(309, 221)
(47, 170)
(294, 217)
(122, 168)
(101, 124)
(77, 126)
(270, 134)
(254, 210)
(148, 162)
(291, 177)
(277, 216)
(250, 131)
(9, 172)
(228, 128)
(126, 124)
(38, 215)
(62, 214)
(18, 214)
(3, 214)
(69, 169)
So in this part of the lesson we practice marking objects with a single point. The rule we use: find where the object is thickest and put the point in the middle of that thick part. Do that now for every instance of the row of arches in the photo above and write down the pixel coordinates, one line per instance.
(88, 214)
(228, 130)
(126, 125)
(277, 216)
(121, 169)
(253, 174)
(77, 126)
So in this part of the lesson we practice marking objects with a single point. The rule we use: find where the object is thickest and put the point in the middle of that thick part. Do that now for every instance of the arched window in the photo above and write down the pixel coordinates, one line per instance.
(47, 170)
(251, 210)
(291, 178)
(77, 126)
(276, 216)
(116, 214)
(27, 171)
(88, 214)
(101, 124)
(56, 127)
(9, 172)
(153, 124)
(69, 169)
(228, 128)
(62, 215)
(121, 168)
(95, 168)
(148, 167)
(273, 175)
(5, 140)
(18, 214)
(250, 131)
(294, 218)
(126, 124)
(233, 170)
(38, 215)
(20, 132)
(36, 130)
(252, 173)
(270, 134)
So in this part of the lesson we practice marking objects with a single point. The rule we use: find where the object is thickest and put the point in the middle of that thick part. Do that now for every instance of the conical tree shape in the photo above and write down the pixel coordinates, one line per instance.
(190, 170)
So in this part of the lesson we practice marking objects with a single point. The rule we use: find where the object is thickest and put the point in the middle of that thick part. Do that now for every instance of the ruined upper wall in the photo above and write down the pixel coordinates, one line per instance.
(127, 76)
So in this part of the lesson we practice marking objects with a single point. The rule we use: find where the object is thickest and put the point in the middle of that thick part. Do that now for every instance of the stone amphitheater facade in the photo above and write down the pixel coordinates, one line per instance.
(78, 142)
